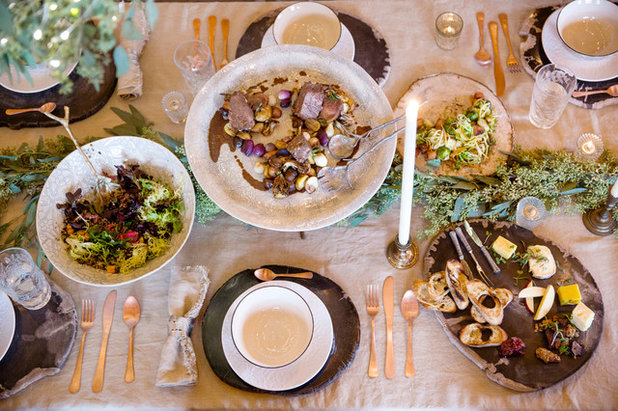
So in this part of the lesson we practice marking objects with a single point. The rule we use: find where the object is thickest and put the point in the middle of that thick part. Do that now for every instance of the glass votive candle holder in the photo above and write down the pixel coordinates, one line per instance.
(590, 146)
(175, 106)
(530, 212)
(448, 30)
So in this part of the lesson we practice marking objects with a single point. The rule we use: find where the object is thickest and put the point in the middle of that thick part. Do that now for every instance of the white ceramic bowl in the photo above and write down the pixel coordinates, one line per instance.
(73, 173)
(272, 326)
(323, 19)
(599, 18)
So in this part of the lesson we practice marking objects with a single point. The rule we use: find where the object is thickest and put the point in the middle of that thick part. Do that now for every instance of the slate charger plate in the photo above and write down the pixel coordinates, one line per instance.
(340, 307)
(525, 373)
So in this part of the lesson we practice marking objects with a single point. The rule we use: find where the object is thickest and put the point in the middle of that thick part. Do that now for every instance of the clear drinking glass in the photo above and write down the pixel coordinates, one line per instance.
(530, 212)
(175, 106)
(552, 88)
(22, 280)
(193, 59)
(448, 30)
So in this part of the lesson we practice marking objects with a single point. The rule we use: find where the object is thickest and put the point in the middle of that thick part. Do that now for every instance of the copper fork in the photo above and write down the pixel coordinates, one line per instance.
(511, 62)
(87, 323)
(372, 300)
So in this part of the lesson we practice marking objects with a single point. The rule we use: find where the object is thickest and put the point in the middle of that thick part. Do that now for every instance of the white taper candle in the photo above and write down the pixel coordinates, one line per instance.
(407, 180)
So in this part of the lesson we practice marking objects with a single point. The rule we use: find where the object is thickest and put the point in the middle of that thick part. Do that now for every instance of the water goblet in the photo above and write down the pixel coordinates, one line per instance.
(22, 280)
(193, 59)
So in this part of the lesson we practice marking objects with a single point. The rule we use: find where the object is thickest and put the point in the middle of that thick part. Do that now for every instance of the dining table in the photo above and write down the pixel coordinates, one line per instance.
(351, 256)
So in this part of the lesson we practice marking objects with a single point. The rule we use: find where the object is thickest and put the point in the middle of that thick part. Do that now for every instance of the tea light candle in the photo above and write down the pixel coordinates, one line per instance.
(407, 179)
(448, 30)
(590, 146)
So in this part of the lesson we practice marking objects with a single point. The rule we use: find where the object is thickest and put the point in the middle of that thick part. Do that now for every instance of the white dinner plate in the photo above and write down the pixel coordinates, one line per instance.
(296, 373)
(7, 323)
(344, 47)
(584, 68)
(41, 79)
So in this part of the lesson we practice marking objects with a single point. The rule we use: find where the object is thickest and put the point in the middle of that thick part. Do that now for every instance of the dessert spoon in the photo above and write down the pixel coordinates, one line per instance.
(265, 274)
(482, 56)
(409, 309)
(45, 108)
(612, 91)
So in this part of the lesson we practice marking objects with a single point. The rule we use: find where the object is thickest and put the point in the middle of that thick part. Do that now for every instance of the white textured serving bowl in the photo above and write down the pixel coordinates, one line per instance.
(73, 173)
(579, 10)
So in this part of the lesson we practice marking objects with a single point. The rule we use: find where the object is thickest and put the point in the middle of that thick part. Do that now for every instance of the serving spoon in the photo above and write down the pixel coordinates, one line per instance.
(409, 309)
(130, 314)
(612, 91)
(45, 108)
(265, 274)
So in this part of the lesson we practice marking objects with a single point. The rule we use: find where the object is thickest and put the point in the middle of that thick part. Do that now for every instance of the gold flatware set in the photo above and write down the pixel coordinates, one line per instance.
(409, 310)
(131, 316)
(212, 28)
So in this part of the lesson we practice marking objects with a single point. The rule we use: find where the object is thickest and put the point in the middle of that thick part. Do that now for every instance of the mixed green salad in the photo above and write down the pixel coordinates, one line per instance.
(135, 225)
(462, 141)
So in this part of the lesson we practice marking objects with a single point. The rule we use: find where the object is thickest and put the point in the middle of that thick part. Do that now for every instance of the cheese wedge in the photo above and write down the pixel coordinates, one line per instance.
(582, 316)
(504, 247)
(569, 294)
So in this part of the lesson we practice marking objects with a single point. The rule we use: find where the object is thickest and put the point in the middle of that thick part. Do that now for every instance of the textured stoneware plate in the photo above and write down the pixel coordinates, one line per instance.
(73, 173)
(41, 79)
(584, 68)
(523, 373)
(449, 93)
(223, 180)
(299, 371)
(7, 323)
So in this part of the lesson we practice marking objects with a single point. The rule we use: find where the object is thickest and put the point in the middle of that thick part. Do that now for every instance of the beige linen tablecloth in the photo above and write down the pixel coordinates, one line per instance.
(353, 257)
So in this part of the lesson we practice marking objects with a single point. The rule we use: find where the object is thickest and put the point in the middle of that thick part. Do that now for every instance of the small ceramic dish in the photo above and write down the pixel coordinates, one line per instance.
(272, 326)
(7, 323)
(589, 27)
(308, 23)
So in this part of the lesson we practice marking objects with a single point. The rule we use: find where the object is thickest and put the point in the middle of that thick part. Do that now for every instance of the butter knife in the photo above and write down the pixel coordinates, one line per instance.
(466, 244)
(463, 261)
(498, 74)
(478, 242)
(388, 298)
(108, 317)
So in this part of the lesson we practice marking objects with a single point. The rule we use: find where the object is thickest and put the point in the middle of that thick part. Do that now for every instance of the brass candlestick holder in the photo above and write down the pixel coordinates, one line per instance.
(600, 221)
(402, 256)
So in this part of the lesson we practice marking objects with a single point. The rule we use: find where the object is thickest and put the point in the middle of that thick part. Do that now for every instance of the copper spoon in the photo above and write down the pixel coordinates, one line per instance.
(265, 274)
(196, 28)
(45, 108)
(409, 309)
(130, 315)
(612, 91)
(482, 56)
(225, 29)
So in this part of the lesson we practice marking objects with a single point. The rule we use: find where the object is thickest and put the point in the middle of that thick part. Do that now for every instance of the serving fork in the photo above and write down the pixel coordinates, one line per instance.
(511, 62)
(372, 301)
(86, 324)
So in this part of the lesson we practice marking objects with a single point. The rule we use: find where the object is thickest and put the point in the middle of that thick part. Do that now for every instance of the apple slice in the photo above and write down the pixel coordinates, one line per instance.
(531, 292)
(546, 303)
(530, 300)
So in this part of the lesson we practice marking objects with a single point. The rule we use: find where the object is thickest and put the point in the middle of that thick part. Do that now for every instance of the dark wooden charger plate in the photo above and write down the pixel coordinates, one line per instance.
(525, 373)
(346, 327)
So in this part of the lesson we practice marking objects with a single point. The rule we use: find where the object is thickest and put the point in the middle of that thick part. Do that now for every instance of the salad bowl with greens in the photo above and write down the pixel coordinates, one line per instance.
(134, 231)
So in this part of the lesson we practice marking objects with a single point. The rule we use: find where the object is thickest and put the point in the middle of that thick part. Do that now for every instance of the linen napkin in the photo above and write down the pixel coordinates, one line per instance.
(188, 287)
(130, 84)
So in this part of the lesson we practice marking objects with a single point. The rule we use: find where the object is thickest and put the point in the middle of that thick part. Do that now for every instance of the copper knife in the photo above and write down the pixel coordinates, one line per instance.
(388, 298)
(108, 317)
(498, 74)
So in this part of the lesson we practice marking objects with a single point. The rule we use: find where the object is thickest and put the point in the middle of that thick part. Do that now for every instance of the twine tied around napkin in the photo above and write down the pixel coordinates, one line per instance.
(188, 287)
(130, 84)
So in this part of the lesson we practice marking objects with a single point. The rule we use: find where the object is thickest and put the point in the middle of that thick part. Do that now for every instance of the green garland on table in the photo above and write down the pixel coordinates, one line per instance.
(560, 179)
